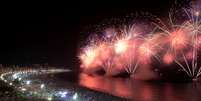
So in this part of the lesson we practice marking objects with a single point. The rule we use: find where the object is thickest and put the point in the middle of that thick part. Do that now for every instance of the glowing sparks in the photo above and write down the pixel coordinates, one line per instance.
(197, 13)
(178, 39)
(121, 46)
(145, 50)
(168, 58)
(88, 57)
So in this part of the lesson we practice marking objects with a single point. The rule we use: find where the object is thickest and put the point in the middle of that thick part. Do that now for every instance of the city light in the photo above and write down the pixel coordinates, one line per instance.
(75, 96)
(19, 79)
(23, 89)
(28, 82)
(49, 98)
(62, 94)
(11, 84)
(42, 86)
(15, 76)
(22, 85)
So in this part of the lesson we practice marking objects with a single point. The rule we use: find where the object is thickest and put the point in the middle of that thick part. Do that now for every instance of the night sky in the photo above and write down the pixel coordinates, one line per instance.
(50, 32)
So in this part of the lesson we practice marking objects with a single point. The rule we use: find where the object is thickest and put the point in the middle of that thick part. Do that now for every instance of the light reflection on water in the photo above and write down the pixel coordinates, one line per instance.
(143, 91)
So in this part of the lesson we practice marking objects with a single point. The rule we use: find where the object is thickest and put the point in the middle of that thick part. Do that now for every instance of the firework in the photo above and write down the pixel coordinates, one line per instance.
(168, 58)
(121, 46)
(127, 49)
(178, 40)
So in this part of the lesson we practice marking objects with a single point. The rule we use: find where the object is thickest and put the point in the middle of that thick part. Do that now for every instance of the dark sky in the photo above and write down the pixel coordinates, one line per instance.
(50, 32)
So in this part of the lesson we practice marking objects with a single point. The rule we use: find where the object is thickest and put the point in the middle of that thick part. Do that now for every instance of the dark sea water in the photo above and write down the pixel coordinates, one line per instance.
(136, 90)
